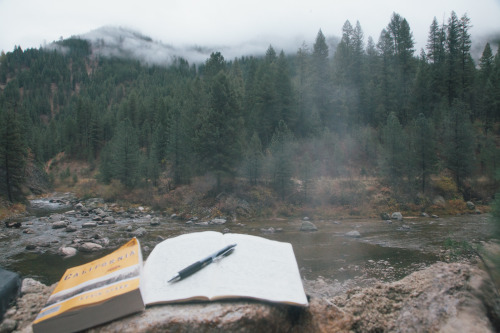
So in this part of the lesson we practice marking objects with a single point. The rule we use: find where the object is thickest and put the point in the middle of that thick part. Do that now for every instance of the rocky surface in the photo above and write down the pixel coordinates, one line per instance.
(455, 297)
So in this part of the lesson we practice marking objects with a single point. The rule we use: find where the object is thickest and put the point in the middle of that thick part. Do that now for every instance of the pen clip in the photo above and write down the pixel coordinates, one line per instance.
(223, 254)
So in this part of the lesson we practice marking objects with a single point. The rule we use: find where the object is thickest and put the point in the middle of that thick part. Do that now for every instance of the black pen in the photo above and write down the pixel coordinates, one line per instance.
(193, 268)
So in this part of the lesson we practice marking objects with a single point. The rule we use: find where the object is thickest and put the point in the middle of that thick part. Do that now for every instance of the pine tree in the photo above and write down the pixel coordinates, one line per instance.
(12, 155)
(467, 67)
(126, 154)
(321, 79)
(485, 89)
(394, 152)
(424, 155)
(308, 121)
(437, 57)
(459, 149)
(281, 151)
(253, 159)
(284, 92)
(387, 74)
(218, 136)
(453, 59)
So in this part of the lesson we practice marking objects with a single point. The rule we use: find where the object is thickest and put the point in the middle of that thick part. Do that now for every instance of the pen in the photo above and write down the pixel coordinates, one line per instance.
(193, 268)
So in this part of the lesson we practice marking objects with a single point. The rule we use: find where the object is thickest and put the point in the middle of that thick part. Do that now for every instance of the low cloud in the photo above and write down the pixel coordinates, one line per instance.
(126, 43)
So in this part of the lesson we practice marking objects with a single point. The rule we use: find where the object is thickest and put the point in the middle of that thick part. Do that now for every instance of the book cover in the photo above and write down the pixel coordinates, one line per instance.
(94, 293)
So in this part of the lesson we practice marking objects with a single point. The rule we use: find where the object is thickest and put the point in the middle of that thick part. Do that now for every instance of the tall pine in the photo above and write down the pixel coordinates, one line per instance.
(12, 155)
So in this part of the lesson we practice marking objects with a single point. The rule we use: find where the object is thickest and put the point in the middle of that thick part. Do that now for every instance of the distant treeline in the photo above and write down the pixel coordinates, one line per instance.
(367, 109)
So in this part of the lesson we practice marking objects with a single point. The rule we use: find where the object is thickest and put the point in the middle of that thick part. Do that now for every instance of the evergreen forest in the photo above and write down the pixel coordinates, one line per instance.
(365, 109)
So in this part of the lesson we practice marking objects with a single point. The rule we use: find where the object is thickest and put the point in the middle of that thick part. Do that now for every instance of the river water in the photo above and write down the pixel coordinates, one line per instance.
(385, 251)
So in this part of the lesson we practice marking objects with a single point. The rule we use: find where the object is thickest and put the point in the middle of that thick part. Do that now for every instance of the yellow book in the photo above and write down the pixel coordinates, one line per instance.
(94, 293)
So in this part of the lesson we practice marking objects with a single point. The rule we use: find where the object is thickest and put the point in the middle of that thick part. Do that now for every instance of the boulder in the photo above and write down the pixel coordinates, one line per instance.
(89, 224)
(71, 228)
(470, 205)
(57, 217)
(67, 251)
(385, 216)
(89, 247)
(218, 221)
(60, 224)
(9, 288)
(155, 221)
(353, 234)
(269, 230)
(139, 232)
(441, 298)
(109, 220)
(8, 325)
(397, 216)
(308, 226)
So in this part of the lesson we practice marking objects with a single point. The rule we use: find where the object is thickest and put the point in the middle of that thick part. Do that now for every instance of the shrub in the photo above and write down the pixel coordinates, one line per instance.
(447, 187)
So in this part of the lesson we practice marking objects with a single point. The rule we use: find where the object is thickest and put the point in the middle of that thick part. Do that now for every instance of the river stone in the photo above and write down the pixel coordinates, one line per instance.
(154, 221)
(71, 228)
(397, 216)
(57, 217)
(60, 224)
(308, 226)
(89, 247)
(67, 251)
(353, 234)
(269, 230)
(139, 232)
(89, 225)
(109, 220)
(218, 221)
(8, 325)
(385, 216)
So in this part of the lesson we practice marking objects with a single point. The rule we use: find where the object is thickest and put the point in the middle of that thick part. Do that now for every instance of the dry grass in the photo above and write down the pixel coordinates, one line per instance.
(326, 197)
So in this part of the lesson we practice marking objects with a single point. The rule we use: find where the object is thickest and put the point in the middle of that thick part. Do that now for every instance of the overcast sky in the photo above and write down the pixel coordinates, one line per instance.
(32, 23)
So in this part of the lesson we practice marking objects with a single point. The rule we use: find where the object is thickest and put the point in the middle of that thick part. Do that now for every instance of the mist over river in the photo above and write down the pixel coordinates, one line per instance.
(382, 250)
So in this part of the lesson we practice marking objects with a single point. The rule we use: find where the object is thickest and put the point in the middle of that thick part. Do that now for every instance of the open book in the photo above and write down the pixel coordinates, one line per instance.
(258, 269)
(118, 284)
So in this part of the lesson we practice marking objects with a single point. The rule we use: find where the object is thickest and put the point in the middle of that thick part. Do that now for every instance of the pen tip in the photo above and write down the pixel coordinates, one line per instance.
(174, 278)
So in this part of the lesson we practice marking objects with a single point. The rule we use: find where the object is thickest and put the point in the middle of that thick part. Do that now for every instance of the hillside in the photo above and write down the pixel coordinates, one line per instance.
(332, 127)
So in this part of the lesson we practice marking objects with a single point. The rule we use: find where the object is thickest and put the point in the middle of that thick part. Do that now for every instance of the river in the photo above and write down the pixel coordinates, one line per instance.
(383, 251)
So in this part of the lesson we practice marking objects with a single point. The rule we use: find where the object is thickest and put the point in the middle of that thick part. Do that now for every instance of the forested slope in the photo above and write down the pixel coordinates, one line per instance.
(379, 109)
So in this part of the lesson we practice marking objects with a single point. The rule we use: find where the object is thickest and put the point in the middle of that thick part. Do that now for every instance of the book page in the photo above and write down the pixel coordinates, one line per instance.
(258, 268)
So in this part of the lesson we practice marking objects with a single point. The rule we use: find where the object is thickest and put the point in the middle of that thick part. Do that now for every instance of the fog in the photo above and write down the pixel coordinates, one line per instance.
(233, 27)
(123, 42)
